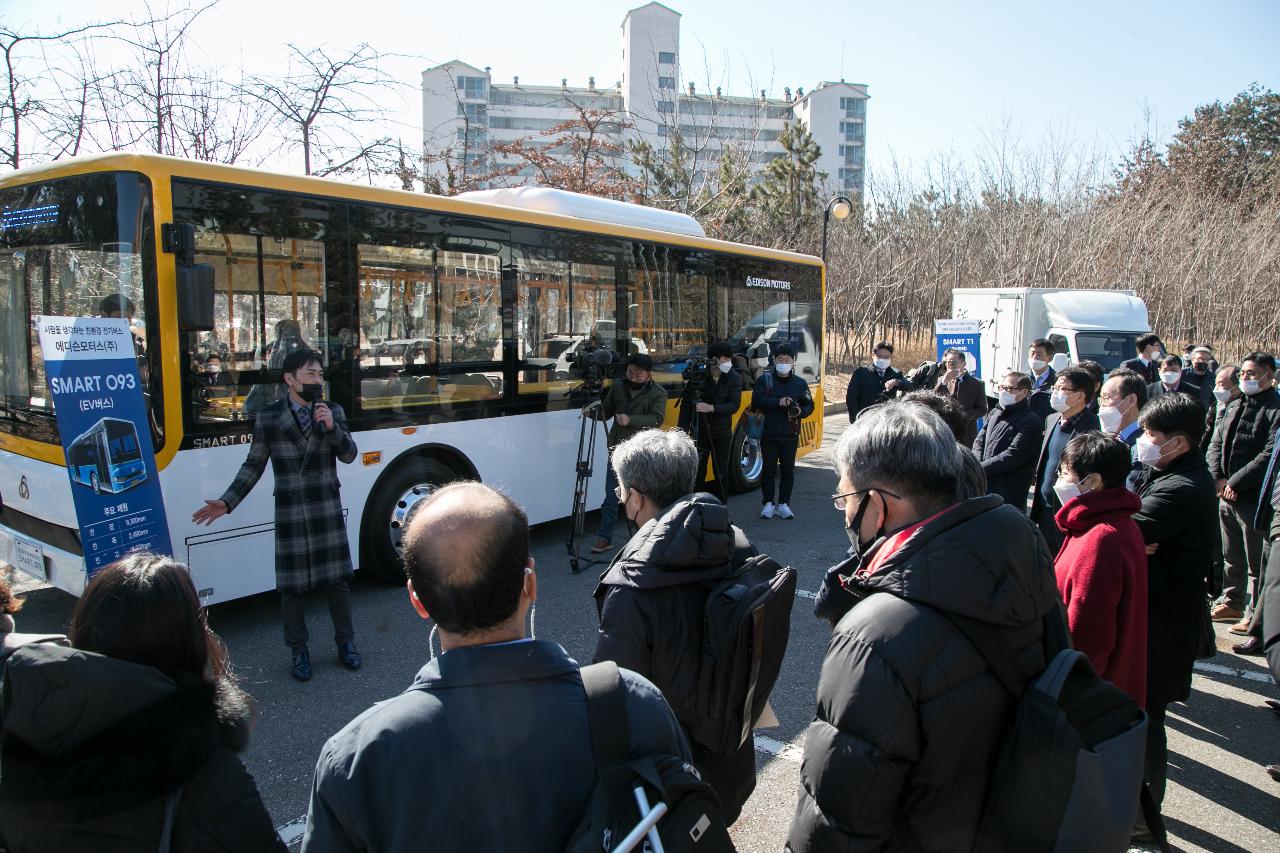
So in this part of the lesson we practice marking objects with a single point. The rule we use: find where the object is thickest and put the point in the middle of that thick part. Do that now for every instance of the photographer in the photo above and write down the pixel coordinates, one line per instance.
(636, 403)
(712, 396)
(784, 398)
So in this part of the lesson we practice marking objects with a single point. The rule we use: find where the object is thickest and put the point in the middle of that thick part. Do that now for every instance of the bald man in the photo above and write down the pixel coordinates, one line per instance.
(493, 733)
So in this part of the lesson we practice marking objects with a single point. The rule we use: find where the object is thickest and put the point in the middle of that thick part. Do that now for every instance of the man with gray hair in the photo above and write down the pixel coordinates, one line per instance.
(909, 715)
(652, 597)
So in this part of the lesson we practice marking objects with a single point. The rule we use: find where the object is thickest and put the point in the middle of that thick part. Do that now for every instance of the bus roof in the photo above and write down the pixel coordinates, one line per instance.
(156, 164)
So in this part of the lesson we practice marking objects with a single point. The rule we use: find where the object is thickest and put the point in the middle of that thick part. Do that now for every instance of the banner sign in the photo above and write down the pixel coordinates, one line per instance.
(963, 335)
(92, 368)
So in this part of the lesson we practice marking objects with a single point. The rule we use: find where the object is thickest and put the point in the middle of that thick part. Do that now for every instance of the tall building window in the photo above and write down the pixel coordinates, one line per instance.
(666, 106)
(853, 130)
(851, 179)
(854, 107)
(666, 57)
(474, 88)
(666, 82)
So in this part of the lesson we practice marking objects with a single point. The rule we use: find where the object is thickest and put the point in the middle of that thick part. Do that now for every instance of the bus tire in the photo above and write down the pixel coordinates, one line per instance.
(745, 463)
(391, 508)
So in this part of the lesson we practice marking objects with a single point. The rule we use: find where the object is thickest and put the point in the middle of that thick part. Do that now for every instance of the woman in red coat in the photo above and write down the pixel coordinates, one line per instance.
(1102, 565)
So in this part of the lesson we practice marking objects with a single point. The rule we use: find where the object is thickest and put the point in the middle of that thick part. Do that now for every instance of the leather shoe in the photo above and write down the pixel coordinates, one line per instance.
(348, 656)
(1225, 613)
(1273, 770)
(1274, 705)
(1251, 646)
(301, 666)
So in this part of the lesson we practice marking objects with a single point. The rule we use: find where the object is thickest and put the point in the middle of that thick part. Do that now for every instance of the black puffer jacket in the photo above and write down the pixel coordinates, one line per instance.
(93, 746)
(1008, 446)
(724, 392)
(909, 717)
(650, 602)
(1240, 450)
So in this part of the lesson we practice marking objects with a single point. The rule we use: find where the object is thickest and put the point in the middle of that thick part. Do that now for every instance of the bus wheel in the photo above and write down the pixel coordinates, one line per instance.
(389, 511)
(745, 461)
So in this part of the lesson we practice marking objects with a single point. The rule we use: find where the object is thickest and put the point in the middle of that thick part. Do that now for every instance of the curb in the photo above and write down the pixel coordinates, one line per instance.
(834, 409)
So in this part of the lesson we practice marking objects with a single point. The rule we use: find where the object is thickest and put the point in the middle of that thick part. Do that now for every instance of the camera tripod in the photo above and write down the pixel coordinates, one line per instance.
(584, 467)
(687, 395)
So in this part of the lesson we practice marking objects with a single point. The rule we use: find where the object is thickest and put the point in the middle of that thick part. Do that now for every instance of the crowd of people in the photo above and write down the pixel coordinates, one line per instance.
(1098, 525)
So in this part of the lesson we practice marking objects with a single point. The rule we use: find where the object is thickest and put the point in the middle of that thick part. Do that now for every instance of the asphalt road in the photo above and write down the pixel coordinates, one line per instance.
(1219, 797)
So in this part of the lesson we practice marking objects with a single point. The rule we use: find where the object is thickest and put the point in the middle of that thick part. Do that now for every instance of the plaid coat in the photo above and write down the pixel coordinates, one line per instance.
(311, 534)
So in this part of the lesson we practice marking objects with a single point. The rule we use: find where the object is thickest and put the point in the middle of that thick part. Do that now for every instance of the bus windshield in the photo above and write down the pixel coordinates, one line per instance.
(122, 442)
(69, 247)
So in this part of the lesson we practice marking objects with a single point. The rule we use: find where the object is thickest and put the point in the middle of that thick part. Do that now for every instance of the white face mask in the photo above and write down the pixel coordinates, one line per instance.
(1222, 394)
(1066, 491)
(1058, 401)
(1008, 398)
(1149, 453)
(882, 364)
(213, 368)
(1038, 364)
(726, 366)
(1110, 418)
(783, 368)
(1249, 386)
(1169, 377)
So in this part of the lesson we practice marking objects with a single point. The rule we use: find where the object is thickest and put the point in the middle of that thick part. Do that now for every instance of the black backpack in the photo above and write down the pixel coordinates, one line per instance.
(1069, 776)
(635, 796)
(746, 624)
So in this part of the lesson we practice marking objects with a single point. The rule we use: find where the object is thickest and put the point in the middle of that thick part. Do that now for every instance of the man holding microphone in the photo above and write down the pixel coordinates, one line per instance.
(304, 437)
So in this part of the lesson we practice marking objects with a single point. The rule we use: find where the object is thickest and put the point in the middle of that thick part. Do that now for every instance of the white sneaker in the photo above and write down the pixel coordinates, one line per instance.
(767, 511)
(784, 511)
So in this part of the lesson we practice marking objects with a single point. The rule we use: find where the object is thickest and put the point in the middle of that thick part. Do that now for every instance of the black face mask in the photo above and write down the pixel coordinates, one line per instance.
(312, 393)
(1202, 368)
(852, 530)
(636, 386)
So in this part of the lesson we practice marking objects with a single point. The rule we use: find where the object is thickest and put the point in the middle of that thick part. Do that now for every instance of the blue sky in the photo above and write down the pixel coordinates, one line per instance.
(943, 76)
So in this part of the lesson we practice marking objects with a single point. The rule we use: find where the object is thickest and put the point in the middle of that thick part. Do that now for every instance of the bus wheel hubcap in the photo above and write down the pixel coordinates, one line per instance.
(403, 511)
(752, 463)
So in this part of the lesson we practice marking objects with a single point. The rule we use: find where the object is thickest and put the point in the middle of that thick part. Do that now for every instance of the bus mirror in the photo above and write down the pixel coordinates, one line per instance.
(195, 298)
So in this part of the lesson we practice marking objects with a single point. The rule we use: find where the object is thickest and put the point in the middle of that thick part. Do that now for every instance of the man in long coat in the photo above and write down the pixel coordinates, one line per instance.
(304, 442)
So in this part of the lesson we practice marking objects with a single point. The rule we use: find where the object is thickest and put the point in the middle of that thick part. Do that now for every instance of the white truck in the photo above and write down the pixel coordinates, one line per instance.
(1084, 325)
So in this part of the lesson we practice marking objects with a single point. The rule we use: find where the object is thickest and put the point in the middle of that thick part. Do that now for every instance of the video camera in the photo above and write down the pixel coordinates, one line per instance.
(594, 365)
(697, 372)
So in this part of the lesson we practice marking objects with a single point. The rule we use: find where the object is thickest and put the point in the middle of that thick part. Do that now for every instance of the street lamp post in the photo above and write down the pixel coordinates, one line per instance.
(840, 207)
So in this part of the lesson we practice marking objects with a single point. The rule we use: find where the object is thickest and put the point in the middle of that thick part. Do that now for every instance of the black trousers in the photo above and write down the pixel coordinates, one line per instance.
(718, 484)
(294, 608)
(778, 453)
(1157, 765)
(1270, 565)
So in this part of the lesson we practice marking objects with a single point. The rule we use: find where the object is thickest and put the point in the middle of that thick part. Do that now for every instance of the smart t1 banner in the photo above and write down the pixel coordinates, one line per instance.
(92, 368)
(963, 335)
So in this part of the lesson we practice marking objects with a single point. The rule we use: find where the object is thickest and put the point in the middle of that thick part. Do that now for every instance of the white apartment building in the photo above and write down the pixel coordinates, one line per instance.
(465, 111)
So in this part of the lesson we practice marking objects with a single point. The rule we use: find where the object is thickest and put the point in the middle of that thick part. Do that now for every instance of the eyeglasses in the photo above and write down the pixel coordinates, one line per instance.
(1012, 389)
(840, 503)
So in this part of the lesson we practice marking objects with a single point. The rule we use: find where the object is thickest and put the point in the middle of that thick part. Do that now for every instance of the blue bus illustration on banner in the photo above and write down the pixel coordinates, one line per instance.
(92, 368)
(107, 457)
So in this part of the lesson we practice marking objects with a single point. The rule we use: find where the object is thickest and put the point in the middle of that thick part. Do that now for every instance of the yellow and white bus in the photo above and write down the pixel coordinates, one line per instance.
(441, 322)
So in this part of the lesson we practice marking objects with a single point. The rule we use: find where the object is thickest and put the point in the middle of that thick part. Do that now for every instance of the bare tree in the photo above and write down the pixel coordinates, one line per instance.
(325, 102)
(19, 103)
